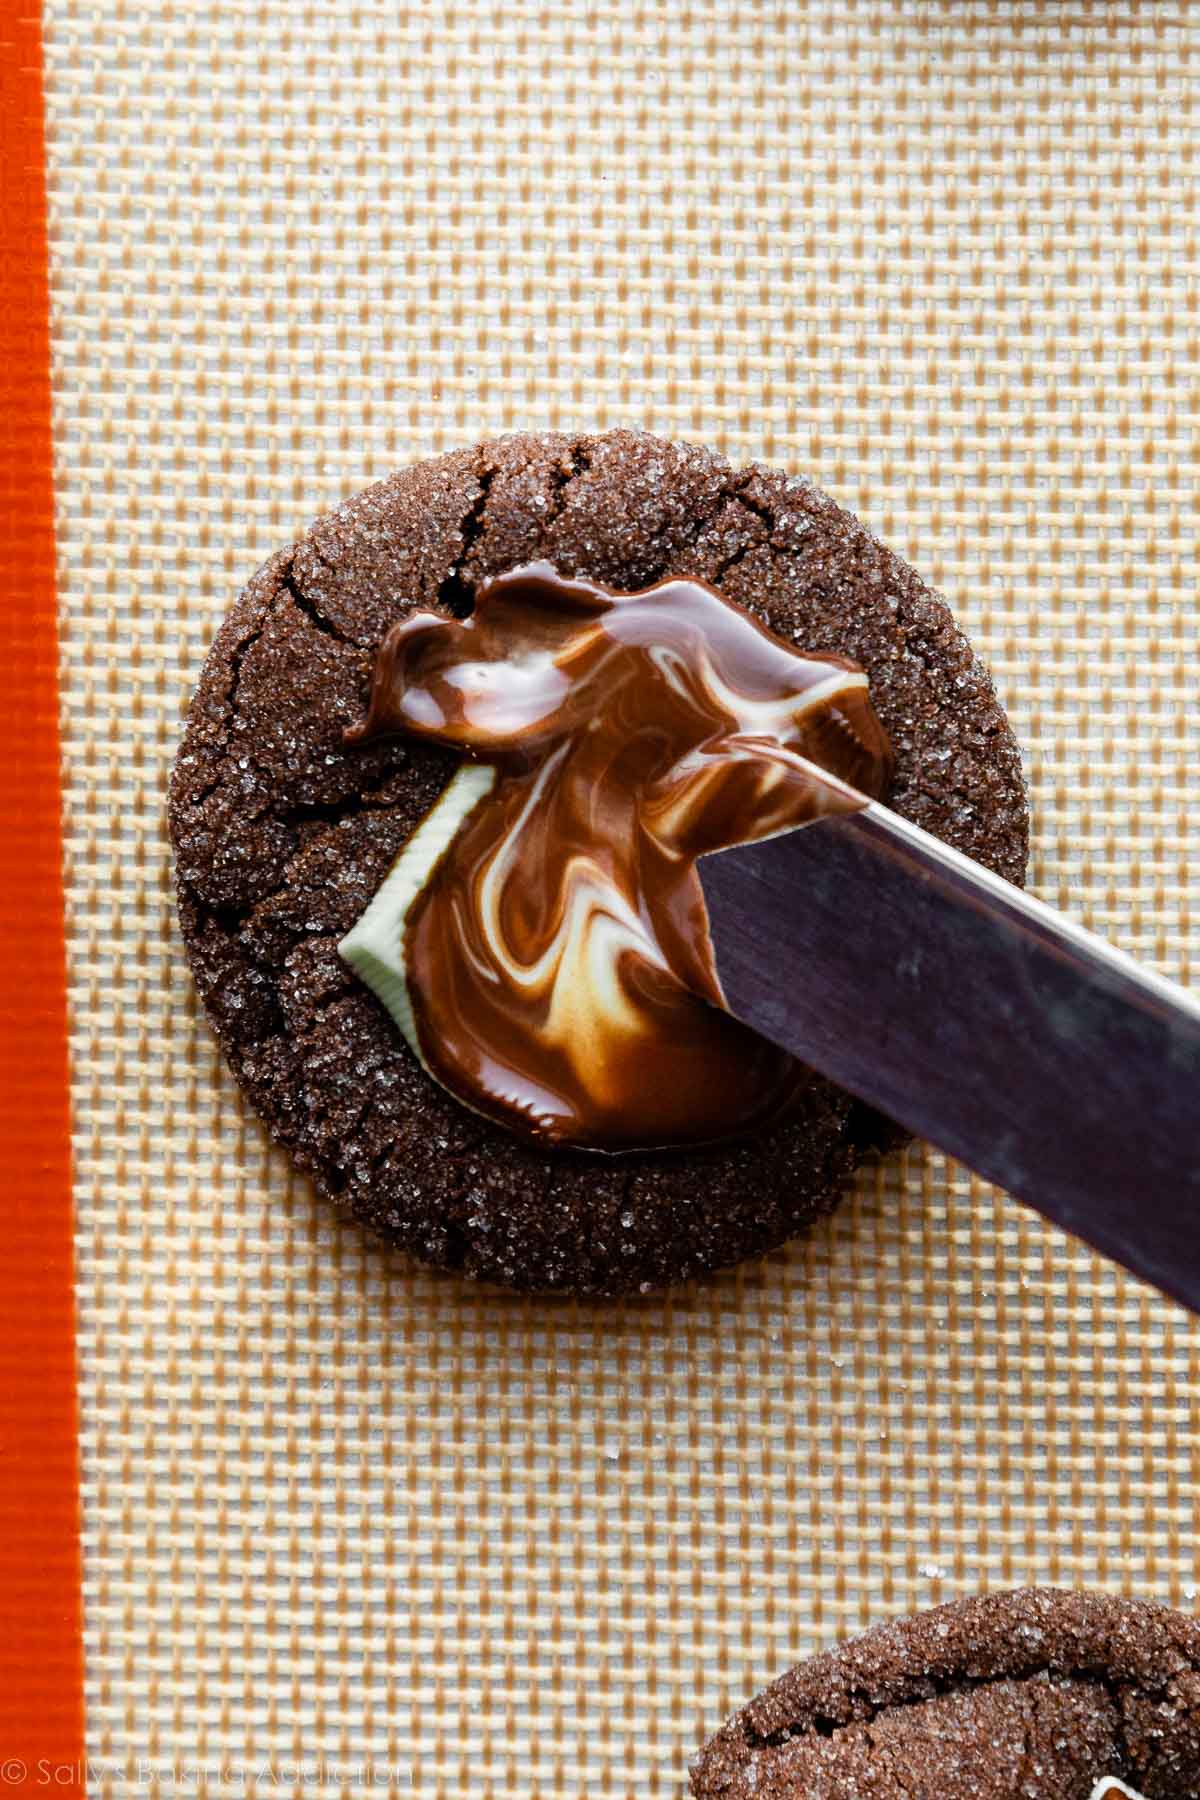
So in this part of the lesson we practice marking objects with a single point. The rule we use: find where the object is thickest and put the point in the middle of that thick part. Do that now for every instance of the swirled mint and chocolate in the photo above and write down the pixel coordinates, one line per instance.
(541, 940)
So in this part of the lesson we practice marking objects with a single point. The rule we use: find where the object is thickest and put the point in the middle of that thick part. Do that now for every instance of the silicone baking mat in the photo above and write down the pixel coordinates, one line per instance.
(346, 1523)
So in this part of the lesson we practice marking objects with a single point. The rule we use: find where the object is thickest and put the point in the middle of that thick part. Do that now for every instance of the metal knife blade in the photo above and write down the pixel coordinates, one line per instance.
(979, 1018)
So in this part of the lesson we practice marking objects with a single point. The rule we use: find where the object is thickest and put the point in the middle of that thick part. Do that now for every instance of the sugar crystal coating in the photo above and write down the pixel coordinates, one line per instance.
(282, 835)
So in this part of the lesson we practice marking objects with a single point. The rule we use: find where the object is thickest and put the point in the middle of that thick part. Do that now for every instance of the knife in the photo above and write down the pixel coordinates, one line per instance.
(978, 1018)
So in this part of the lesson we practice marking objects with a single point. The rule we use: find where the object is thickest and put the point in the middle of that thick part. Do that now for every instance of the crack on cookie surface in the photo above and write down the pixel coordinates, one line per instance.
(456, 591)
(575, 463)
(823, 1726)
(309, 607)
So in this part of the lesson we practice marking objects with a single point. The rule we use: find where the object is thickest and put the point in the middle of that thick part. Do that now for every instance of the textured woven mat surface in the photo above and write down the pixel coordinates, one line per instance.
(944, 258)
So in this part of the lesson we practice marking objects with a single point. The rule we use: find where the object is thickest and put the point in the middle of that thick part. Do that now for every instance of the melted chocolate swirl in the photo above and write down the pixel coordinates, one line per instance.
(557, 958)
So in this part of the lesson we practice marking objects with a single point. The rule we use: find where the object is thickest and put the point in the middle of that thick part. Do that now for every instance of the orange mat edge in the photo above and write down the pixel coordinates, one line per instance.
(41, 1685)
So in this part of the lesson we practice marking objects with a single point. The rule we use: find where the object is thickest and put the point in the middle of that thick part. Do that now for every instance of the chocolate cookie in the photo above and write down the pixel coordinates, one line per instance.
(1039, 1694)
(283, 833)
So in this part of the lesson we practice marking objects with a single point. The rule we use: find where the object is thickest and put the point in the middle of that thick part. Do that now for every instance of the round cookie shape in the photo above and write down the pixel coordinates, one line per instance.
(1038, 1693)
(283, 833)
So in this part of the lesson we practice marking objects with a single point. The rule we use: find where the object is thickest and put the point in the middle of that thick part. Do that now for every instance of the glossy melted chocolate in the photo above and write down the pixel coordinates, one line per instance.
(557, 958)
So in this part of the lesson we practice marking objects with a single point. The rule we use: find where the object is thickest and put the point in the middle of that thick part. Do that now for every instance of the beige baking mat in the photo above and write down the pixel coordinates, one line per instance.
(341, 1513)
